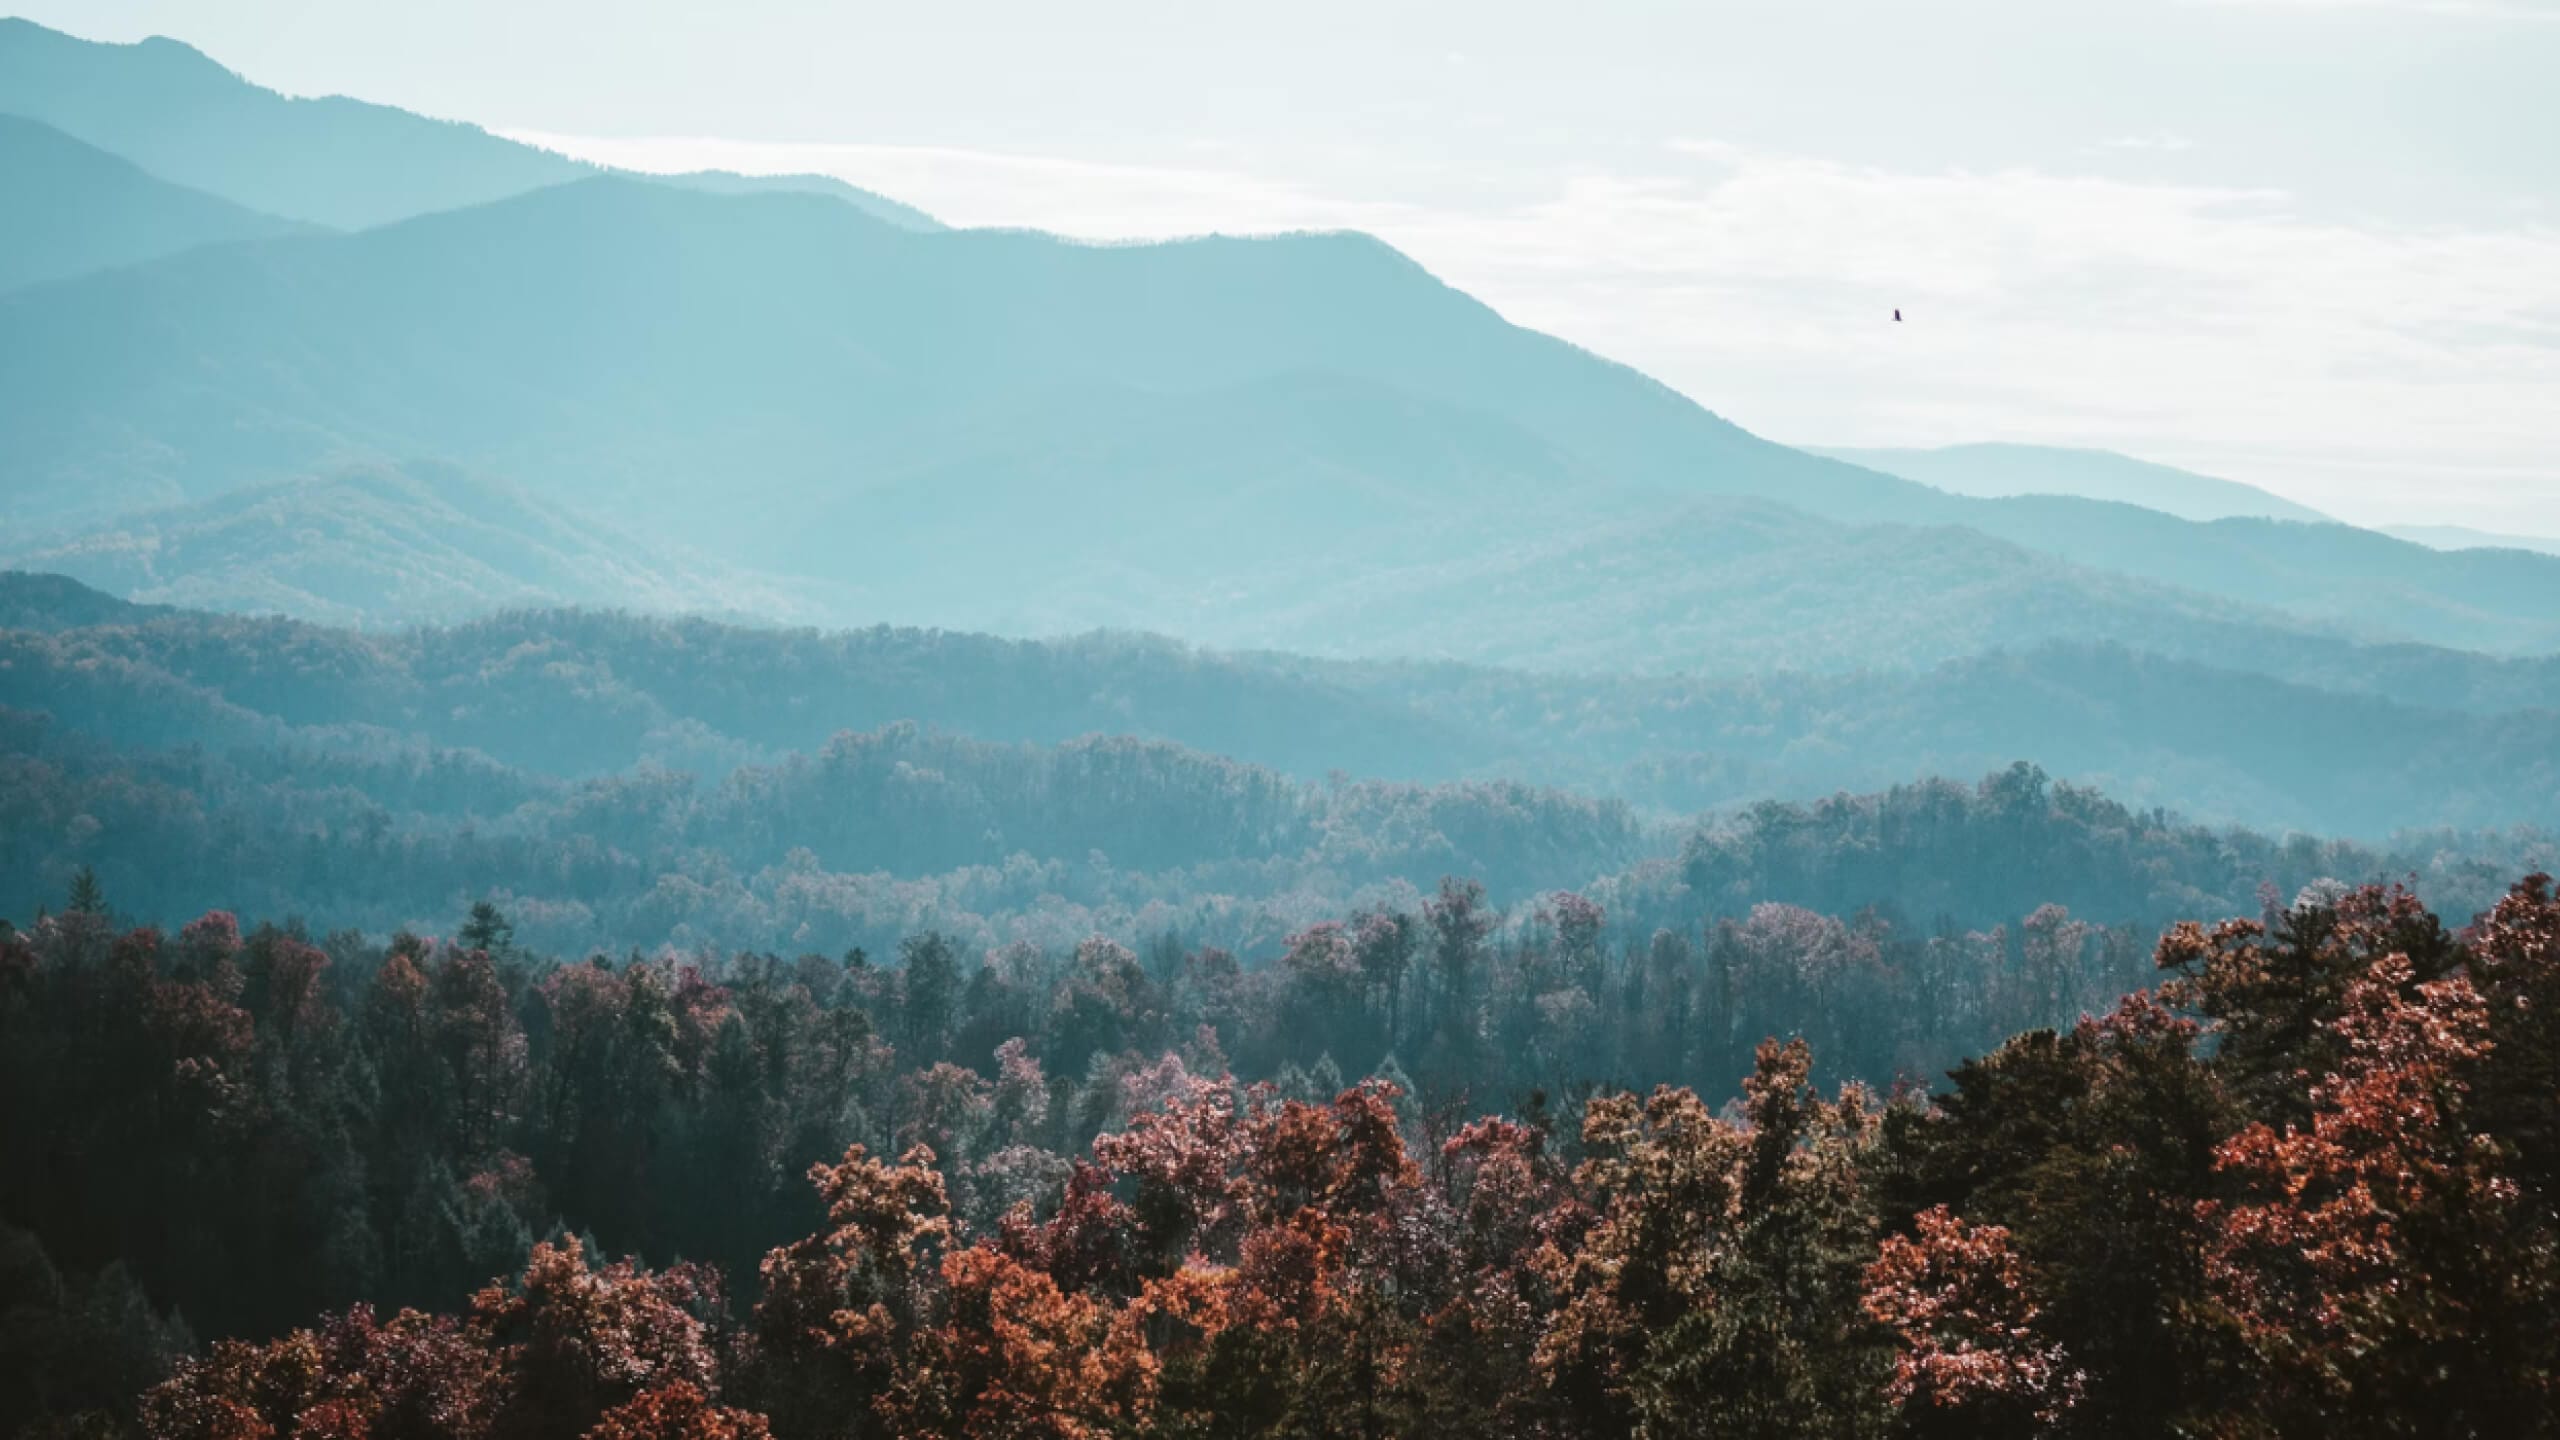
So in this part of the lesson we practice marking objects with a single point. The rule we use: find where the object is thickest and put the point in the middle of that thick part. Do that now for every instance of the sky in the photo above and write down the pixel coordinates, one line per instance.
(2308, 244)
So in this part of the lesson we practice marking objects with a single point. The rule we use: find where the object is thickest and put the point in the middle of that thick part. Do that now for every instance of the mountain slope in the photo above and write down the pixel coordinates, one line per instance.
(615, 335)
(74, 208)
(1994, 470)
(331, 161)
(1018, 432)
(45, 603)
(2504, 601)
(385, 546)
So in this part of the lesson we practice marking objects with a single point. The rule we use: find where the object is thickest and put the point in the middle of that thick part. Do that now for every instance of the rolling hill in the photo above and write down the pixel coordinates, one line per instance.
(569, 695)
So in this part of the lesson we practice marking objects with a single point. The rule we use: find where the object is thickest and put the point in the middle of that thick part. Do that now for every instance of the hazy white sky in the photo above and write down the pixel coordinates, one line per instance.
(2313, 244)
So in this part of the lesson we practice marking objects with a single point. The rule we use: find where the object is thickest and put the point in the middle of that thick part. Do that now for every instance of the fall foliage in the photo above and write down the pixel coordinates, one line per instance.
(2305, 1186)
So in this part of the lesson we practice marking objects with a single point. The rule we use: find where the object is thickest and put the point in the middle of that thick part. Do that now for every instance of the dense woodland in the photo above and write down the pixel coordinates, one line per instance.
(277, 1184)
(880, 834)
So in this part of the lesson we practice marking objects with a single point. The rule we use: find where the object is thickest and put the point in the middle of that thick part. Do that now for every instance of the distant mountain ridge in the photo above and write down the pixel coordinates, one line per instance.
(383, 546)
(333, 161)
(624, 337)
(1998, 470)
(879, 207)
(74, 208)
(1015, 432)
(571, 694)
(1301, 442)
(2463, 537)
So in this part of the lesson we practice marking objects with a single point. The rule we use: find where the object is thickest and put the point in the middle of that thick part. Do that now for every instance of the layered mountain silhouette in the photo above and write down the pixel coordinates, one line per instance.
(635, 340)
(385, 545)
(1017, 431)
(2463, 537)
(74, 208)
(833, 409)
(332, 161)
(878, 207)
(1993, 470)
(567, 694)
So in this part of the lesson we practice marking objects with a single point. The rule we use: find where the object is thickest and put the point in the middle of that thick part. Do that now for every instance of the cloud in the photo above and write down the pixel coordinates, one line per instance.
(2529, 10)
(1097, 200)
(2163, 141)
(2377, 371)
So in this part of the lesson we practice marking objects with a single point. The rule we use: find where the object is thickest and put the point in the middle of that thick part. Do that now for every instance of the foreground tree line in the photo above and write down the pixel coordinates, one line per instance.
(2308, 1184)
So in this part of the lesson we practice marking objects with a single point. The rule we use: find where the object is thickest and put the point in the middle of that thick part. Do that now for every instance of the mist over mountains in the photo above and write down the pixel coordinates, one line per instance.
(453, 375)
(1100, 423)
(1290, 856)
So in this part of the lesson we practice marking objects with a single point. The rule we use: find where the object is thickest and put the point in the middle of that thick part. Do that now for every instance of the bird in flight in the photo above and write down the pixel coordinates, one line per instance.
(1897, 317)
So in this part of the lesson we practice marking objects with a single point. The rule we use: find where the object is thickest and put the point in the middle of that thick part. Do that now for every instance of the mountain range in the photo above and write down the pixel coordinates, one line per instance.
(582, 694)
(328, 161)
(1013, 431)
(331, 360)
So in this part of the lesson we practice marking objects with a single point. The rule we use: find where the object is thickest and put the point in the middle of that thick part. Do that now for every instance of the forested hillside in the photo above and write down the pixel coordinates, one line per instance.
(1136, 1193)
(2438, 738)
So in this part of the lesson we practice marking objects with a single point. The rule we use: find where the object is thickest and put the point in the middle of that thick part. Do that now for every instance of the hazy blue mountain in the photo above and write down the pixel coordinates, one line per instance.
(2384, 588)
(74, 208)
(184, 117)
(1993, 470)
(1725, 585)
(879, 207)
(1017, 432)
(629, 340)
(575, 693)
(569, 694)
(2463, 537)
(332, 161)
(46, 602)
(2214, 740)
(382, 545)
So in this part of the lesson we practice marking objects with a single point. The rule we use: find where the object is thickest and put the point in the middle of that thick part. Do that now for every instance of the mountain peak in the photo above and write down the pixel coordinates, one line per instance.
(185, 117)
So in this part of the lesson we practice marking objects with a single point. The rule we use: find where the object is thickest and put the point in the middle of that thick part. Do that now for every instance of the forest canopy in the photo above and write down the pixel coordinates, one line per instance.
(273, 1184)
